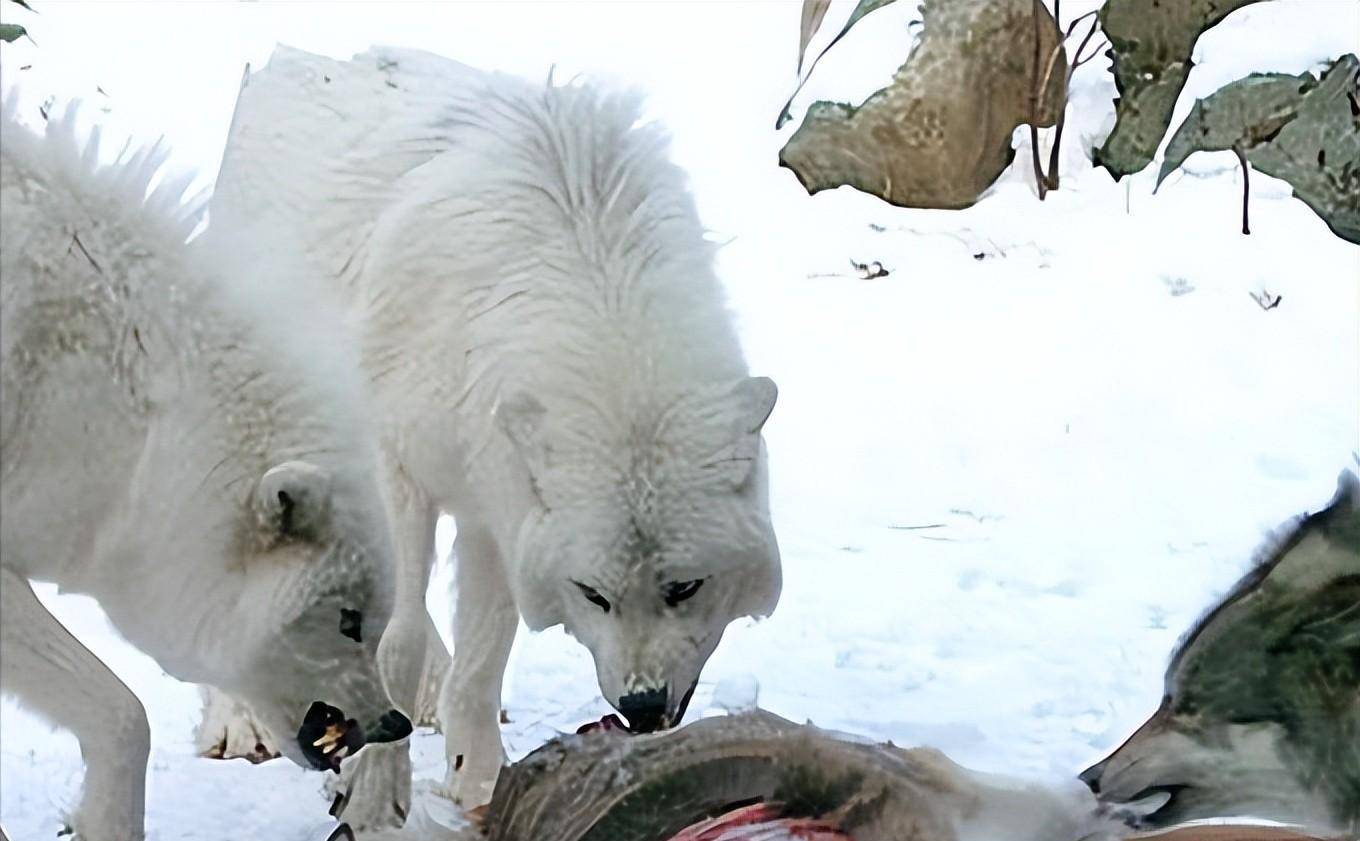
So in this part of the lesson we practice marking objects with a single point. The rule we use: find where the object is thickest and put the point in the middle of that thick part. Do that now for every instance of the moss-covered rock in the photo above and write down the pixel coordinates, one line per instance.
(940, 133)
(1300, 129)
(1150, 42)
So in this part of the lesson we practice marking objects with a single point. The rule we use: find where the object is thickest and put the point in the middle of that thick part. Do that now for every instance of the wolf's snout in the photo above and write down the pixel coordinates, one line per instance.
(326, 737)
(645, 710)
(1091, 776)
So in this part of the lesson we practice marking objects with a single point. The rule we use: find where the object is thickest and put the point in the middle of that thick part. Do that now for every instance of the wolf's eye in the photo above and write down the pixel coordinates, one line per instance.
(679, 591)
(351, 621)
(593, 596)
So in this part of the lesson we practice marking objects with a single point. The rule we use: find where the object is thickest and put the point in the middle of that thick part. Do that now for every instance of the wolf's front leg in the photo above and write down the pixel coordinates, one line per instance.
(485, 621)
(374, 787)
(405, 642)
(229, 730)
(432, 675)
(376, 783)
(51, 673)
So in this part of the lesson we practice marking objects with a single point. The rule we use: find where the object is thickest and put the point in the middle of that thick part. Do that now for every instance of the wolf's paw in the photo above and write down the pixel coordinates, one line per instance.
(229, 730)
(374, 788)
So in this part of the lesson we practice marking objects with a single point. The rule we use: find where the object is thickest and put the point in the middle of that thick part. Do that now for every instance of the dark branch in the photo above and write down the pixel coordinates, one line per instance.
(1040, 178)
(1072, 27)
(1246, 186)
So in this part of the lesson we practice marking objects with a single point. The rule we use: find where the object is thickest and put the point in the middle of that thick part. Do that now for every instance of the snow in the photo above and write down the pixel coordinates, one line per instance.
(1006, 477)
(736, 693)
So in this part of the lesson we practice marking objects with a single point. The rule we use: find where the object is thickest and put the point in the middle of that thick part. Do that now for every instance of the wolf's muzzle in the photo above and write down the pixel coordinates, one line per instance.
(646, 710)
(326, 737)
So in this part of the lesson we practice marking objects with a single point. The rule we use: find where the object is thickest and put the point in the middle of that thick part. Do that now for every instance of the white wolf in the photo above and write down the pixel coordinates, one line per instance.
(547, 340)
(184, 446)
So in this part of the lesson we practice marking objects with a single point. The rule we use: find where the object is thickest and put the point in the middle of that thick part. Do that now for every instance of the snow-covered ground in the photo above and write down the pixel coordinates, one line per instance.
(1006, 476)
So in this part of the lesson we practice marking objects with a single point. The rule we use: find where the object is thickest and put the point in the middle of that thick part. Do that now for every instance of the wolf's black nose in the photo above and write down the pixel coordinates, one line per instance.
(1091, 776)
(645, 711)
(326, 737)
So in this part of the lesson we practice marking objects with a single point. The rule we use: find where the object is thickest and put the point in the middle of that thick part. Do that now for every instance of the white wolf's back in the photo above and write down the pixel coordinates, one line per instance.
(85, 253)
(316, 145)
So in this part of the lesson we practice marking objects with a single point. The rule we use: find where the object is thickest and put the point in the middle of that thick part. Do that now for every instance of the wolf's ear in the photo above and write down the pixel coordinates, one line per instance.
(757, 396)
(293, 499)
(749, 404)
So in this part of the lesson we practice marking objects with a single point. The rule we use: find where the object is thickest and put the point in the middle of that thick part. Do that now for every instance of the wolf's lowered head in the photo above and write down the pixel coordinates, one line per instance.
(1261, 714)
(647, 547)
(307, 627)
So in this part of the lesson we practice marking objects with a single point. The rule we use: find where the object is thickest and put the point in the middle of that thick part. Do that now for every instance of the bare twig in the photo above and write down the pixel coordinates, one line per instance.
(1040, 178)
(1072, 27)
(1099, 48)
(917, 528)
(1047, 179)
(1051, 177)
(1077, 59)
(1265, 300)
(1246, 185)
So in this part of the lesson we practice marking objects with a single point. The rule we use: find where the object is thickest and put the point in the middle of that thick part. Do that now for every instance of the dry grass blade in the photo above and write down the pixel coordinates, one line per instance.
(863, 8)
(814, 11)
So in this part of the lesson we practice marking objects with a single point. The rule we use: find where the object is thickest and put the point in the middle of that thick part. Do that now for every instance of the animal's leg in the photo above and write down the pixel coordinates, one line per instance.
(375, 787)
(51, 673)
(485, 621)
(229, 730)
(406, 641)
(432, 675)
(376, 782)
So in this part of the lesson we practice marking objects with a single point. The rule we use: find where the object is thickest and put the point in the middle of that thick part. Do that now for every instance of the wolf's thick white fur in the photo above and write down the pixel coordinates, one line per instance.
(549, 346)
(182, 440)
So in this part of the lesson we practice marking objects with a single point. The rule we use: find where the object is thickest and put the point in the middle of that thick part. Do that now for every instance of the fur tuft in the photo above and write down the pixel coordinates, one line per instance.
(138, 177)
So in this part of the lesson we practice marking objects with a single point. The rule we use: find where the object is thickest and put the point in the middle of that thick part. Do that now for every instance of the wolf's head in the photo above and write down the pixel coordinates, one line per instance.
(312, 549)
(1261, 714)
(647, 541)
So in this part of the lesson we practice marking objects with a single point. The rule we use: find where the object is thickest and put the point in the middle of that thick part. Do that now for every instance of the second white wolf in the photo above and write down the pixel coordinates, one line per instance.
(549, 349)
